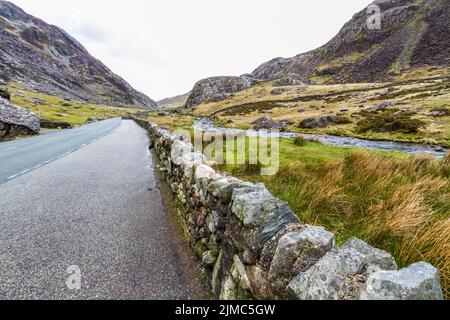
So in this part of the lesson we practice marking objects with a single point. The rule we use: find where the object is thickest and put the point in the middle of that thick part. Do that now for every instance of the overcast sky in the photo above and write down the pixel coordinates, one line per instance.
(163, 47)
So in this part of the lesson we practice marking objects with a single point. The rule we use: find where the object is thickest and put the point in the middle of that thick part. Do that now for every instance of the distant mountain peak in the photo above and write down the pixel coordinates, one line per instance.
(47, 59)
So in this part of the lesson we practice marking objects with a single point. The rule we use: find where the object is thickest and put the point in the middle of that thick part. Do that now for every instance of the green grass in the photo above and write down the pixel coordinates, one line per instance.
(52, 109)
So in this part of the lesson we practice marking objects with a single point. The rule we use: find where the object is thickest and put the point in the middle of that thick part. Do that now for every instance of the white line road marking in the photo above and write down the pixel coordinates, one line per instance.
(24, 171)
(12, 177)
(9, 149)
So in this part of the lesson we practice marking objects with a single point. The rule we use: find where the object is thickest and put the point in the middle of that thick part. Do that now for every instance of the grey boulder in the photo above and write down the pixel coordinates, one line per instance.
(17, 121)
(420, 281)
(341, 273)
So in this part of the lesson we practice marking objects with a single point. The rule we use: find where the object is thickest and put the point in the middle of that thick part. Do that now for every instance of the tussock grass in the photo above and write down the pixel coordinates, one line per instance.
(400, 204)
(301, 141)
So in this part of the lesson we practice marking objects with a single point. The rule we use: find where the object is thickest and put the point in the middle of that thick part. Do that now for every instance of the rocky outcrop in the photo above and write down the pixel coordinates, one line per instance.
(412, 34)
(15, 121)
(217, 89)
(5, 94)
(266, 123)
(252, 245)
(55, 124)
(46, 59)
(323, 122)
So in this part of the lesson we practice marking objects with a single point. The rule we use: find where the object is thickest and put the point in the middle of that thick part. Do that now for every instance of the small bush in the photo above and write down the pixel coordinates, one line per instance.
(300, 141)
(389, 122)
(447, 158)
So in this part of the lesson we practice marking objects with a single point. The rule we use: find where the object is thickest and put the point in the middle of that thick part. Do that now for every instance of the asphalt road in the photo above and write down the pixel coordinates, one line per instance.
(22, 156)
(89, 225)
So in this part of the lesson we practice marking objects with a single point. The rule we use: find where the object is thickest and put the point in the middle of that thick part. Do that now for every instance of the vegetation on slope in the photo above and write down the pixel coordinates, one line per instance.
(55, 109)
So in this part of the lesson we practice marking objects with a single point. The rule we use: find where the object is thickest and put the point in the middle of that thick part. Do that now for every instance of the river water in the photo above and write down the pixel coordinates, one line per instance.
(207, 125)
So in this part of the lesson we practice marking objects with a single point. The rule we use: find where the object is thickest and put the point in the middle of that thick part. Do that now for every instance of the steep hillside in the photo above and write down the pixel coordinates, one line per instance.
(413, 34)
(46, 59)
(174, 102)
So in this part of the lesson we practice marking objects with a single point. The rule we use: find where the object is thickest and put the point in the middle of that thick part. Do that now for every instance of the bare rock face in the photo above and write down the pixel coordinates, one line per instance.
(16, 121)
(217, 89)
(413, 33)
(46, 59)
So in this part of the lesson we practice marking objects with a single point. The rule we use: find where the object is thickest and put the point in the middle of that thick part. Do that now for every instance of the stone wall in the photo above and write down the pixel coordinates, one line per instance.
(253, 246)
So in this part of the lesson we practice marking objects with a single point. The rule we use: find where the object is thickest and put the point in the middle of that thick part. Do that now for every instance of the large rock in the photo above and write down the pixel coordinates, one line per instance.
(323, 122)
(5, 94)
(266, 123)
(420, 281)
(341, 273)
(217, 89)
(297, 252)
(222, 189)
(253, 205)
(16, 121)
(275, 222)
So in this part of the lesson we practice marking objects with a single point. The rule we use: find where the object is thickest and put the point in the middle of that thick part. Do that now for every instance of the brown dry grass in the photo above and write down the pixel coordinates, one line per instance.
(402, 206)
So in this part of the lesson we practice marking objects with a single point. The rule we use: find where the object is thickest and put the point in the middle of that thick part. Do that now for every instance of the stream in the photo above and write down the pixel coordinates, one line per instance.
(207, 125)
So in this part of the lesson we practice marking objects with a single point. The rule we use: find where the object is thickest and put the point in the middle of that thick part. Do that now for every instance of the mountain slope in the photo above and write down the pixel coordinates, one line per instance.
(46, 59)
(413, 34)
(173, 102)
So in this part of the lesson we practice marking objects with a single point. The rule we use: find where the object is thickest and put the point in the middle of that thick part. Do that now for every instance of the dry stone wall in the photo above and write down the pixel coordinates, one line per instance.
(253, 246)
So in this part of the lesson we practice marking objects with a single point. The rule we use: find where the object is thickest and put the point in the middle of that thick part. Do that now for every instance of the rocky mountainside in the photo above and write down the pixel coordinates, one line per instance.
(413, 34)
(217, 89)
(46, 59)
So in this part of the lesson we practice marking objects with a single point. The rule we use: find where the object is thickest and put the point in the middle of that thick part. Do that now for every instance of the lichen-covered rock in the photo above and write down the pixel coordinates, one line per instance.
(253, 205)
(239, 274)
(275, 222)
(216, 275)
(229, 290)
(16, 121)
(203, 175)
(420, 281)
(217, 89)
(222, 189)
(340, 274)
(209, 258)
(302, 248)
